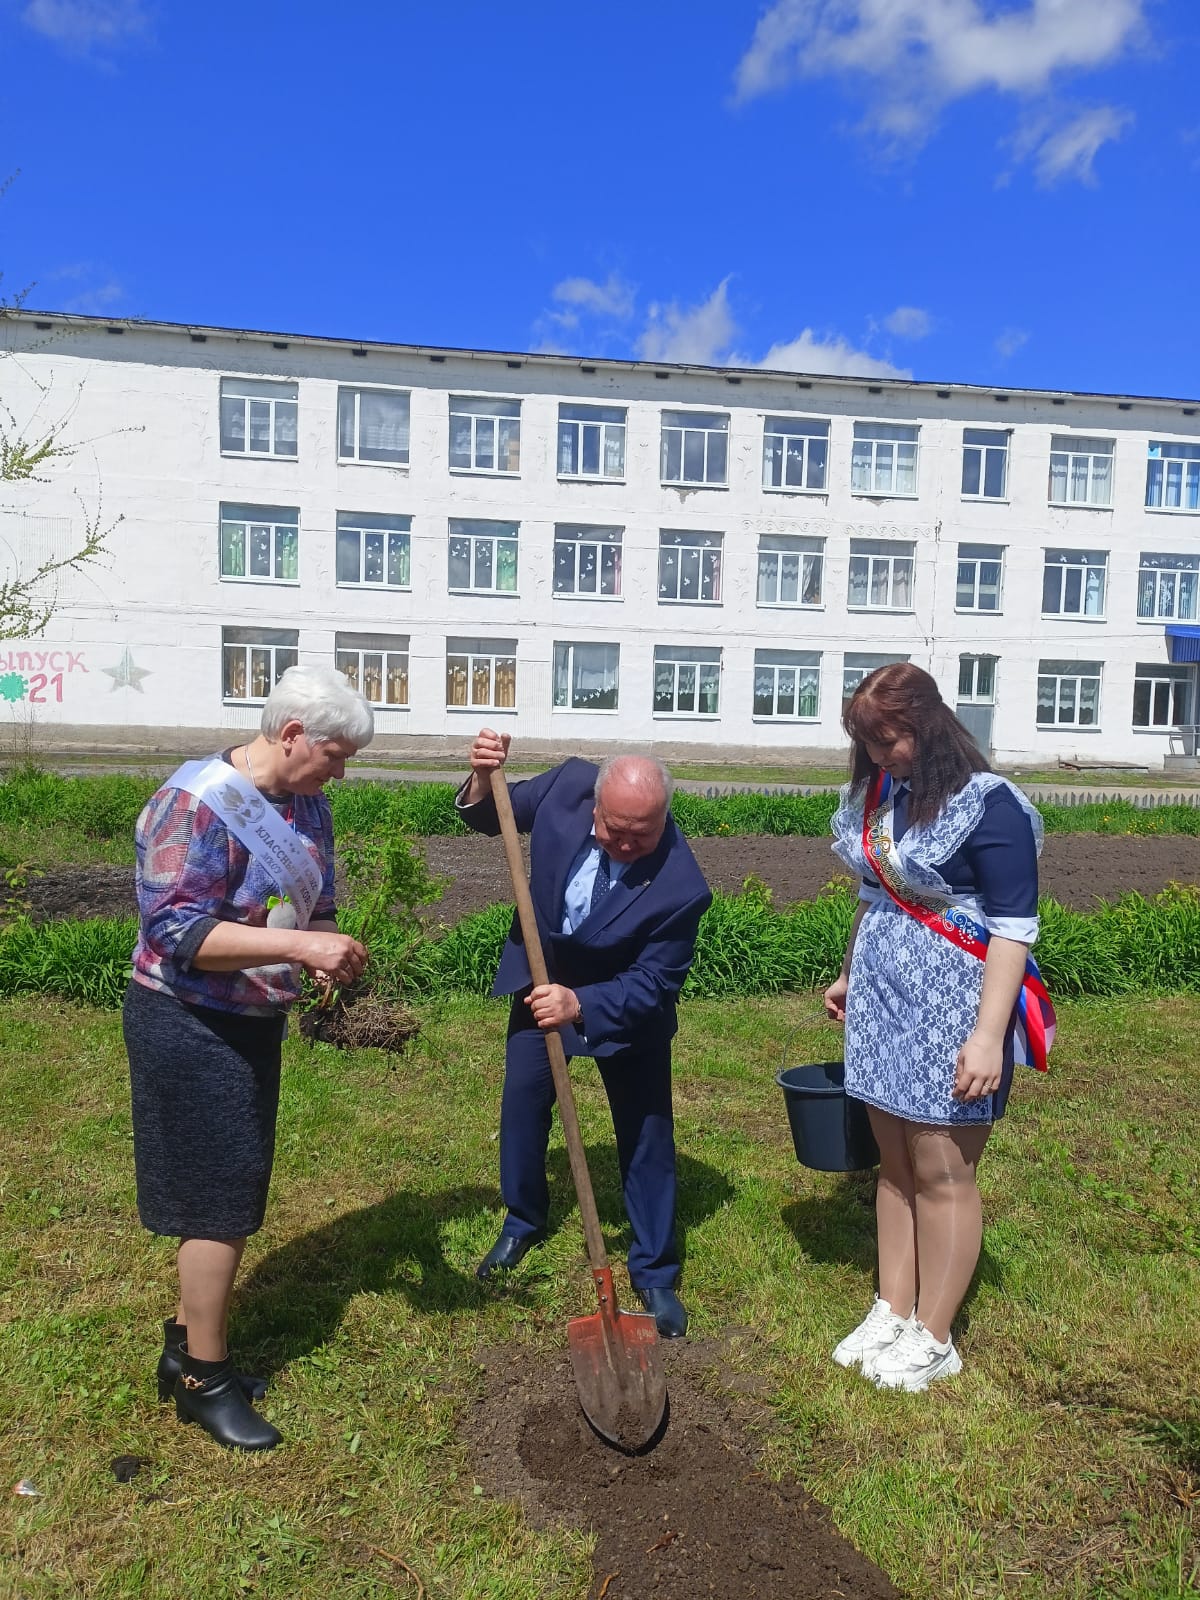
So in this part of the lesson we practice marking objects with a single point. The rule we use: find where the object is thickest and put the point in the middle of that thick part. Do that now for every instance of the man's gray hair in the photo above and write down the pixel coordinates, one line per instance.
(640, 772)
(324, 700)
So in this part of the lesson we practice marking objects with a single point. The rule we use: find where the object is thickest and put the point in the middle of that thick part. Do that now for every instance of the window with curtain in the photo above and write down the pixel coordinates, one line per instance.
(695, 447)
(258, 417)
(859, 664)
(1081, 471)
(687, 680)
(884, 459)
(481, 674)
(260, 542)
(587, 561)
(482, 556)
(485, 435)
(254, 659)
(980, 577)
(1167, 585)
(795, 453)
(374, 550)
(591, 441)
(376, 664)
(689, 566)
(1073, 583)
(1173, 476)
(881, 575)
(1068, 694)
(586, 677)
(373, 425)
(791, 569)
(787, 684)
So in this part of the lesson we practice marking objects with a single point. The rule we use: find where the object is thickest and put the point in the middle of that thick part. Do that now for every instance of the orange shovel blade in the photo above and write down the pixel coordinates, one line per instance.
(618, 1372)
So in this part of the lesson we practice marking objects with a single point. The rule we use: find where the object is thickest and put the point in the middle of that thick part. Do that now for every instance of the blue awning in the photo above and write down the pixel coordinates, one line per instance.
(1183, 642)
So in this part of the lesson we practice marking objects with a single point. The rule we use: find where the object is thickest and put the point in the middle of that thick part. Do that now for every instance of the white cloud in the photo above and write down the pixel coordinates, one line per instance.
(911, 58)
(104, 298)
(699, 335)
(830, 356)
(1070, 150)
(909, 322)
(84, 25)
(612, 298)
(1009, 341)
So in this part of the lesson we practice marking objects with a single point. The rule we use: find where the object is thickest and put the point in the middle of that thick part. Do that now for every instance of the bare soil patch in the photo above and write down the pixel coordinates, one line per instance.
(1077, 869)
(690, 1517)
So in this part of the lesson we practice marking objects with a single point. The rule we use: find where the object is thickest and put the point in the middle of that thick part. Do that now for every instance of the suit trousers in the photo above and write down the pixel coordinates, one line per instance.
(637, 1081)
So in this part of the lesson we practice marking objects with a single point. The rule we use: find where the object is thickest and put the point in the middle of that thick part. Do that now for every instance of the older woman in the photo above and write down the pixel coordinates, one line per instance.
(235, 895)
(938, 997)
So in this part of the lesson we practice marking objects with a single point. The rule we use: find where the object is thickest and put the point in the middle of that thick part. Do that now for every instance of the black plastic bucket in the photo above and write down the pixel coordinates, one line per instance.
(831, 1131)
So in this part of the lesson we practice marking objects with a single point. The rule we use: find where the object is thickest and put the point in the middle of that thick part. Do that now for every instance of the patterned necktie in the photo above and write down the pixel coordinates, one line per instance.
(603, 882)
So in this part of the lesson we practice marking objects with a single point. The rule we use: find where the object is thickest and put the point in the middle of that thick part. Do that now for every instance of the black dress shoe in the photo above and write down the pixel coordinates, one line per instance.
(208, 1392)
(507, 1251)
(170, 1366)
(667, 1309)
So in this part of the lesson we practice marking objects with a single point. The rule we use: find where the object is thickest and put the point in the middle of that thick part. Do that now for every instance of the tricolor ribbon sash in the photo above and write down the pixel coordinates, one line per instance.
(256, 824)
(1034, 1023)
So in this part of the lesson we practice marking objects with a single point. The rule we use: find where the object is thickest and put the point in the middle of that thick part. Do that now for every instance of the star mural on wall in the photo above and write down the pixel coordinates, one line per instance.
(125, 675)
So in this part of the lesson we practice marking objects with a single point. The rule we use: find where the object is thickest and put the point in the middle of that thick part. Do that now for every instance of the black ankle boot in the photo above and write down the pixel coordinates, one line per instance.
(174, 1336)
(208, 1392)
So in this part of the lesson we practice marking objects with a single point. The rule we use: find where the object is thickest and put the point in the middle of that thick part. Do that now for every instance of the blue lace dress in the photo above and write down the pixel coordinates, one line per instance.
(913, 996)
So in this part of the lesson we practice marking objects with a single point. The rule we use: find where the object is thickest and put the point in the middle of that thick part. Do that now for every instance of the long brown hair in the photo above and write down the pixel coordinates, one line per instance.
(900, 701)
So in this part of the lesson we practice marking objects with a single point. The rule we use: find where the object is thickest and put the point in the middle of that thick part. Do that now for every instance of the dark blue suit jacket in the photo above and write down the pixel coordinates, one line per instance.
(627, 961)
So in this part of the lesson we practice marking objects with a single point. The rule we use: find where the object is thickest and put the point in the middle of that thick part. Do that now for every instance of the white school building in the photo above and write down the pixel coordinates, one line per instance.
(591, 554)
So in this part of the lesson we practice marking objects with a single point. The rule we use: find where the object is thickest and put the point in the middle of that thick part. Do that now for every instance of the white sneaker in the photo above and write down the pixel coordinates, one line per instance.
(915, 1360)
(878, 1331)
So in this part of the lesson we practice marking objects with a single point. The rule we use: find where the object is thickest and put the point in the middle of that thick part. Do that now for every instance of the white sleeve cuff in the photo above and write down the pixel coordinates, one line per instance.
(1023, 929)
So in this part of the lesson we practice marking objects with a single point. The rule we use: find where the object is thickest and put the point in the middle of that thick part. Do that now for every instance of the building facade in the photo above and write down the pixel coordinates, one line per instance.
(593, 554)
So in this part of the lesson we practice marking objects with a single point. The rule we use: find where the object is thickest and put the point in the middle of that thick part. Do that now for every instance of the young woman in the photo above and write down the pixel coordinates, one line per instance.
(938, 998)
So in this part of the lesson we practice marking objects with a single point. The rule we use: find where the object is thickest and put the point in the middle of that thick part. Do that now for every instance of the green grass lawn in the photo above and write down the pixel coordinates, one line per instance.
(1064, 1461)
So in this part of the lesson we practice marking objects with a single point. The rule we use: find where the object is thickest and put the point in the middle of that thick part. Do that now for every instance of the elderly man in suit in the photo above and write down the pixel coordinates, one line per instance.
(618, 899)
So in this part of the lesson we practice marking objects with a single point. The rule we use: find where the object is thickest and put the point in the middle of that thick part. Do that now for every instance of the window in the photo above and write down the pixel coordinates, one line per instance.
(689, 566)
(980, 577)
(1080, 471)
(258, 419)
(977, 679)
(483, 557)
(790, 570)
(481, 674)
(857, 665)
(687, 680)
(1173, 476)
(985, 464)
(795, 453)
(1167, 586)
(1073, 583)
(374, 550)
(586, 677)
(1162, 695)
(260, 542)
(485, 435)
(376, 664)
(787, 683)
(884, 459)
(591, 441)
(253, 659)
(881, 575)
(373, 425)
(587, 560)
(695, 447)
(1068, 694)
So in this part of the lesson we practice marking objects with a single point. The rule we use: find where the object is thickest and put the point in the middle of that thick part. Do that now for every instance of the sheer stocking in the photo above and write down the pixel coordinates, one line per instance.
(895, 1213)
(949, 1217)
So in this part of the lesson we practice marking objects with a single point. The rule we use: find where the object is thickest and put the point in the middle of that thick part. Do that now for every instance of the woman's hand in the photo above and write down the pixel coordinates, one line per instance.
(979, 1067)
(835, 998)
(334, 956)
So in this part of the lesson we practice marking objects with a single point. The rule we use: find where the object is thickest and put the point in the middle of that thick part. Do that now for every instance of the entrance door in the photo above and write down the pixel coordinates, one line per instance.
(977, 698)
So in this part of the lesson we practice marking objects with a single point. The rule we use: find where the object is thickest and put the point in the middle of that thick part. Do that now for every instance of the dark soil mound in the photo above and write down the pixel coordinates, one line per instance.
(360, 1021)
(690, 1517)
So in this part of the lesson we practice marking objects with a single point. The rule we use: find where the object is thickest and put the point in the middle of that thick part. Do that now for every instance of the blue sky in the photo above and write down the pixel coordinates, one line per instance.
(986, 191)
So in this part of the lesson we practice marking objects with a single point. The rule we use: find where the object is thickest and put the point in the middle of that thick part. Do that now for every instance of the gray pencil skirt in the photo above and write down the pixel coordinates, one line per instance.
(205, 1089)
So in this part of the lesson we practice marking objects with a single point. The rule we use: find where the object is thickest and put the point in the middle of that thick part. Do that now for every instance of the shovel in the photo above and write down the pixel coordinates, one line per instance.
(614, 1353)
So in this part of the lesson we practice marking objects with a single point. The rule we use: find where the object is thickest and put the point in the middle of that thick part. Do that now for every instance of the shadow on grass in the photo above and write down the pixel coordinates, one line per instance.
(294, 1300)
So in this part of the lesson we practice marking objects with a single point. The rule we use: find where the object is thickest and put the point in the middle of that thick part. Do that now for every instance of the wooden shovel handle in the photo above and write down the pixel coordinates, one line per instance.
(597, 1254)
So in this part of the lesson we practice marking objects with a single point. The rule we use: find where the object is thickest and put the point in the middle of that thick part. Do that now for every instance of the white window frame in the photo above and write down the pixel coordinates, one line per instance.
(772, 581)
(1153, 569)
(986, 444)
(276, 522)
(481, 533)
(1086, 561)
(859, 664)
(693, 665)
(355, 654)
(1069, 672)
(789, 462)
(349, 408)
(392, 532)
(571, 660)
(473, 655)
(971, 554)
(704, 427)
(282, 402)
(698, 560)
(975, 696)
(786, 670)
(1167, 680)
(1068, 452)
(280, 646)
(1159, 486)
(875, 453)
(581, 543)
(888, 557)
(603, 426)
(482, 416)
